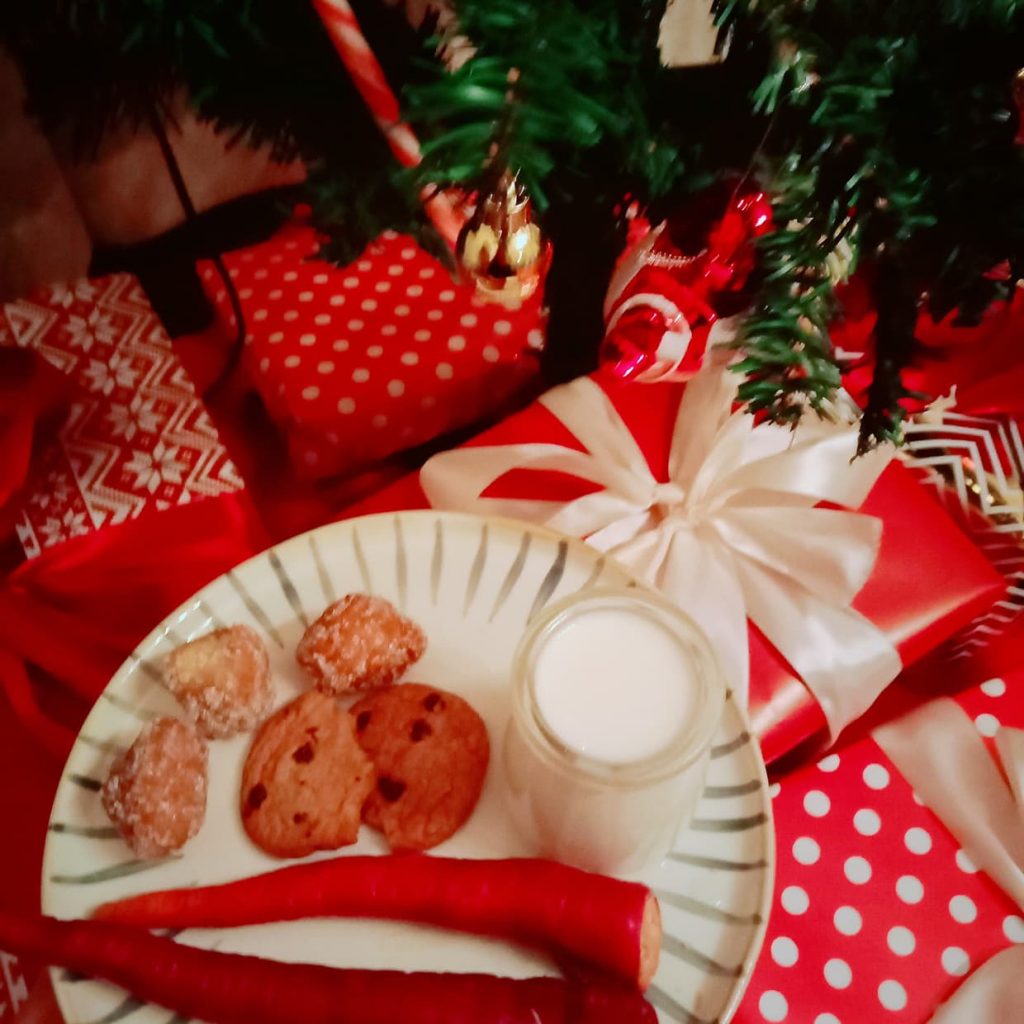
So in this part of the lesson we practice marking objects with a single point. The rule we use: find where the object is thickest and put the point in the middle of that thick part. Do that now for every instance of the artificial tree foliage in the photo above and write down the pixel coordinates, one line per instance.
(884, 130)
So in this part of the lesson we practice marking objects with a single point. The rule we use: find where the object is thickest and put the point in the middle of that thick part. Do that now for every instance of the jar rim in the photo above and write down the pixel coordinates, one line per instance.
(696, 732)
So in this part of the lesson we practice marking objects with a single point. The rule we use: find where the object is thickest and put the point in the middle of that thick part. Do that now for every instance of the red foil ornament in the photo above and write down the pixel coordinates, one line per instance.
(671, 286)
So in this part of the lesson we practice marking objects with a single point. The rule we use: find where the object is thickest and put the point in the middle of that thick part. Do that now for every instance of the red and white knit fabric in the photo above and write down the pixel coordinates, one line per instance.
(136, 432)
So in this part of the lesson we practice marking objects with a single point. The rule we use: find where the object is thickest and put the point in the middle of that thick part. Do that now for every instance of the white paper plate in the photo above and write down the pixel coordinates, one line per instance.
(472, 584)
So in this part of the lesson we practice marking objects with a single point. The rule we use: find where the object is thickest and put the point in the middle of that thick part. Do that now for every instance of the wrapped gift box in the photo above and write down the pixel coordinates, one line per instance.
(357, 363)
(136, 434)
(976, 466)
(121, 514)
(928, 581)
(878, 913)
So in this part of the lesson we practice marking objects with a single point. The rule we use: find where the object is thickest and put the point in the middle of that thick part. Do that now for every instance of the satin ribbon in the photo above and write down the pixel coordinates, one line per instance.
(938, 751)
(734, 532)
(78, 610)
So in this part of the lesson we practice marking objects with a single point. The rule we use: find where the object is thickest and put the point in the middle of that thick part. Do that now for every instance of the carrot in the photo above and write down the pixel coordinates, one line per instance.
(227, 988)
(609, 923)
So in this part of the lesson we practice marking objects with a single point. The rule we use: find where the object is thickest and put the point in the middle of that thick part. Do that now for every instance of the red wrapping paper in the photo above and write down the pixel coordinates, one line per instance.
(983, 362)
(878, 913)
(928, 582)
(357, 363)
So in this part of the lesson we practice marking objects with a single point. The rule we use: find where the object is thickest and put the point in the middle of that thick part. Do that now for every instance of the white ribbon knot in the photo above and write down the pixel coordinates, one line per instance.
(733, 533)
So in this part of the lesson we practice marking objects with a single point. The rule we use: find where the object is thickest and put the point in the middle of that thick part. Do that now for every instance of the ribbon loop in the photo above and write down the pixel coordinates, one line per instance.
(732, 534)
(939, 752)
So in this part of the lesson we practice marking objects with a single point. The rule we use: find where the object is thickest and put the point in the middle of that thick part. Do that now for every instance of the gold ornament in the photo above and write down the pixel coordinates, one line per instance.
(501, 250)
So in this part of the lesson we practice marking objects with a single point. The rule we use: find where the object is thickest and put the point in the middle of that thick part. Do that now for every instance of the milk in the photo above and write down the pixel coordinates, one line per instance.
(617, 697)
(614, 685)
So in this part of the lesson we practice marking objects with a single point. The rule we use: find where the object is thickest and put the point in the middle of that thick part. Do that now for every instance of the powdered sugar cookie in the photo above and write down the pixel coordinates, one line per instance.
(360, 642)
(222, 680)
(156, 790)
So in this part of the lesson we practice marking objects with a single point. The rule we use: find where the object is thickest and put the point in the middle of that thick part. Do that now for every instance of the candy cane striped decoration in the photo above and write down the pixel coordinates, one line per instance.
(368, 77)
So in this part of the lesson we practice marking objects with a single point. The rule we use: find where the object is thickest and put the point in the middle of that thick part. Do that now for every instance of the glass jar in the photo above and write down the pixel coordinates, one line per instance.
(617, 696)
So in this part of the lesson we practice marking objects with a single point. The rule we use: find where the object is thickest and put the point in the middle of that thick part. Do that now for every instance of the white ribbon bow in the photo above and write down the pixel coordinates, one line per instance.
(939, 752)
(734, 533)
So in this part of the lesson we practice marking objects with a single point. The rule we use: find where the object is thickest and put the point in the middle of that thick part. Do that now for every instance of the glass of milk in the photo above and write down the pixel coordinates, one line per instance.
(616, 698)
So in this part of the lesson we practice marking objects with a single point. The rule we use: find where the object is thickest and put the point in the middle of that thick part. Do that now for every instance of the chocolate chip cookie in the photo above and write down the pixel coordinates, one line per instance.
(306, 779)
(430, 750)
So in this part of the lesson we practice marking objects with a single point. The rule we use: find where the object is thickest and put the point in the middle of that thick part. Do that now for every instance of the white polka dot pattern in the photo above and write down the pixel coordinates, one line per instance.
(901, 940)
(806, 850)
(879, 912)
(331, 349)
(795, 900)
(987, 725)
(909, 889)
(816, 803)
(857, 870)
(867, 822)
(892, 995)
(955, 961)
(917, 840)
(847, 920)
(993, 687)
(1013, 927)
(838, 973)
(784, 951)
(773, 1006)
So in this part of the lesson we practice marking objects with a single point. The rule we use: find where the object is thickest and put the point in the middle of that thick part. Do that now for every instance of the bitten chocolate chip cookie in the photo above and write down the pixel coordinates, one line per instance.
(156, 790)
(430, 750)
(222, 680)
(359, 642)
(305, 780)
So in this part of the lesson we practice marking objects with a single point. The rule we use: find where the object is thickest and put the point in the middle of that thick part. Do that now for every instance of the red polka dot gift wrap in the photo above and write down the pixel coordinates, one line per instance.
(387, 353)
(879, 915)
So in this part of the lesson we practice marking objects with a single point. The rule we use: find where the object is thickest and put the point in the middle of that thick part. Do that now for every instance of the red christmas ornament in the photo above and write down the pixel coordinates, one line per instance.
(670, 287)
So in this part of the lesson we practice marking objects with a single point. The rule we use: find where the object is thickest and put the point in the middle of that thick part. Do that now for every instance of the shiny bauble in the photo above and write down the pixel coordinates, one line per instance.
(501, 250)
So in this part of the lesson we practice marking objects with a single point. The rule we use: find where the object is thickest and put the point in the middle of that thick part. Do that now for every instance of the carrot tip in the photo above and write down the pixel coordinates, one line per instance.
(650, 941)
